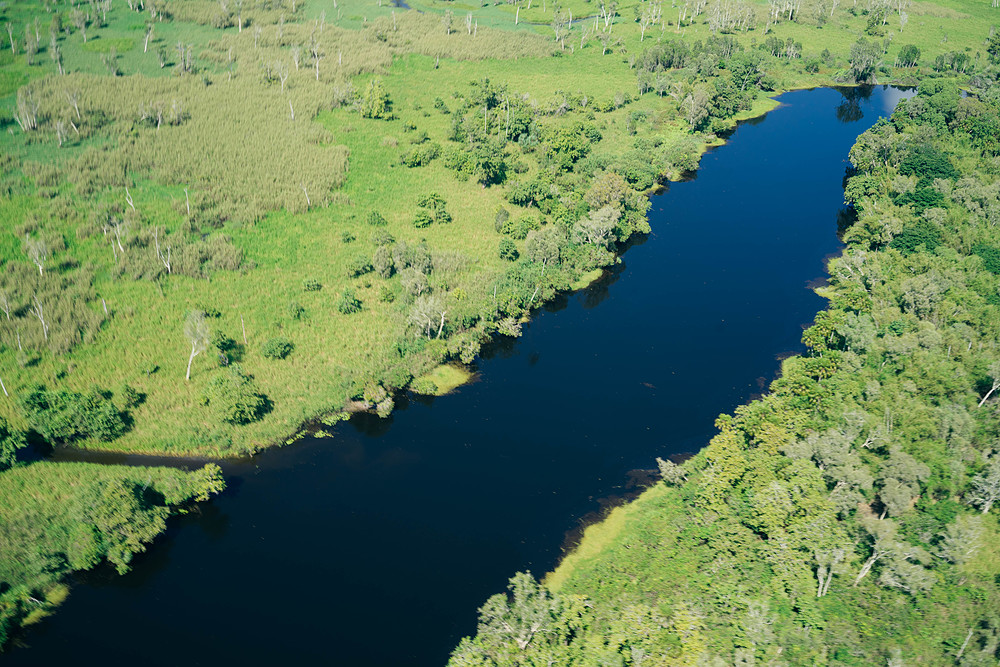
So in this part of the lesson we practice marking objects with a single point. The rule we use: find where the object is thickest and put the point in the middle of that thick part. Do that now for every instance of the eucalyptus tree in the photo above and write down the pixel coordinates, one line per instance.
(985, 489)
(196, 331)
(37, 252)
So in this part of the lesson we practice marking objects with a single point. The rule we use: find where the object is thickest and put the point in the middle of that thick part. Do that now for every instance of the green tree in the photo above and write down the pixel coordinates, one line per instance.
(866, 58)
(235, 397)
(10, 442)
(527, 610)
(125, 522)
(375, 101)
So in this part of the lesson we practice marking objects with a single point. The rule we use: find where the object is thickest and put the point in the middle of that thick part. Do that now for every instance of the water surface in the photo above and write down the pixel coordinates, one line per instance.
(376, 547)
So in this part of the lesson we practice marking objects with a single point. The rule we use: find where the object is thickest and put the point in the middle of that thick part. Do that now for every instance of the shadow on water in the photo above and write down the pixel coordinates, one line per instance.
(375, 547)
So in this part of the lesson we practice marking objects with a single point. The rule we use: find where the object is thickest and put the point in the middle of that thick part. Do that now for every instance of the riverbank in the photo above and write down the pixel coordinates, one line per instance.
(373, 247)
(826, 501)
(438, 474)
(339, 369)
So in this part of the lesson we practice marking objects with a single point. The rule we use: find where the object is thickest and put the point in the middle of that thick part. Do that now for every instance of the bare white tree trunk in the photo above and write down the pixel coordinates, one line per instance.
(164, 259)
(194, 353)
(961, 651)
(996, 385)
(36, 310)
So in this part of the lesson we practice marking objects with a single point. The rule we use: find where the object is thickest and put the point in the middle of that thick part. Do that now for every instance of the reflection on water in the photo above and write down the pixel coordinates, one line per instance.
(375, 547)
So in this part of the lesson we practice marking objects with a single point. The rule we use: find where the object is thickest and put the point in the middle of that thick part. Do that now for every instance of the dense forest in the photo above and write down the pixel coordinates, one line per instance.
(845, 517)
(221, 221)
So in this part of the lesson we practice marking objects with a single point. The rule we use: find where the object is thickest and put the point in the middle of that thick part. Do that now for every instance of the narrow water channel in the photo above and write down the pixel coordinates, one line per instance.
(376, 547)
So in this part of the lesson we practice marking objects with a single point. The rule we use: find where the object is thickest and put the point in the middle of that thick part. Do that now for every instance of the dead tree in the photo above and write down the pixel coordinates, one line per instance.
(73, 96)
(26, 113)
(196, 331)
(281, 69)
(317, 54)
(5, 303)
(55, 53)
(164, 258)
(37, 252)
(80, 21)
(36, 310)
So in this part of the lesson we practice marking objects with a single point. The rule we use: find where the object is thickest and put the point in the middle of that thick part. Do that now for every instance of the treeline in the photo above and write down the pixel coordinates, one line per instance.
(55, 518)
(849, 516)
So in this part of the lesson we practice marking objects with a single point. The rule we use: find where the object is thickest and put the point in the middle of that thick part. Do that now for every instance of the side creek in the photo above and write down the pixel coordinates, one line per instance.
(376, 547)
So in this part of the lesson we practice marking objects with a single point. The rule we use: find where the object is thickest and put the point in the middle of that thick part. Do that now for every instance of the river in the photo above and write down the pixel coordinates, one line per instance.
(376, 547)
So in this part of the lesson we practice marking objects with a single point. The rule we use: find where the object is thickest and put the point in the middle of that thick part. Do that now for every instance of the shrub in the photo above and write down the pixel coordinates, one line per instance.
(424, 386)
(381, 237)
(10, 442)
(432, 209)
(131, 396)
(234, 397)
(423, 218)
(277, 348)
(358, 265)
(502, 216)
(222, 342)
(382, 261)
(348, 302)
(419, 156)
(508, 250)
(295, 310)
(523, 226)
(311, 285)
(375, 219)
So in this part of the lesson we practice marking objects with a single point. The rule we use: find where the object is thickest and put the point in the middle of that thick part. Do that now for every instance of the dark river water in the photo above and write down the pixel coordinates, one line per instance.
(377, 546)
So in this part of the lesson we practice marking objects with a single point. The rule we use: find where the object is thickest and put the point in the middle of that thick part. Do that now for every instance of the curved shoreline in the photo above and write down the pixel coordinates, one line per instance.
(762, 107)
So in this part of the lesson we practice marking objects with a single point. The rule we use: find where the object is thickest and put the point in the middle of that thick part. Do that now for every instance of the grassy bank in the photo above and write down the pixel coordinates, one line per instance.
(221, 221)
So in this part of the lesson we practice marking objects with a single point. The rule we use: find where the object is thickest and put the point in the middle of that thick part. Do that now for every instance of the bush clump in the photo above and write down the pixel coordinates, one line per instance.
(235, 397)
(64, 416)
(277, 348)
(508, 250)
(349, 303)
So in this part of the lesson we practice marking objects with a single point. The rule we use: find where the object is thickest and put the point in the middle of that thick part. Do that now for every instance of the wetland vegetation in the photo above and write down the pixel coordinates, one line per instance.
(222, 220)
